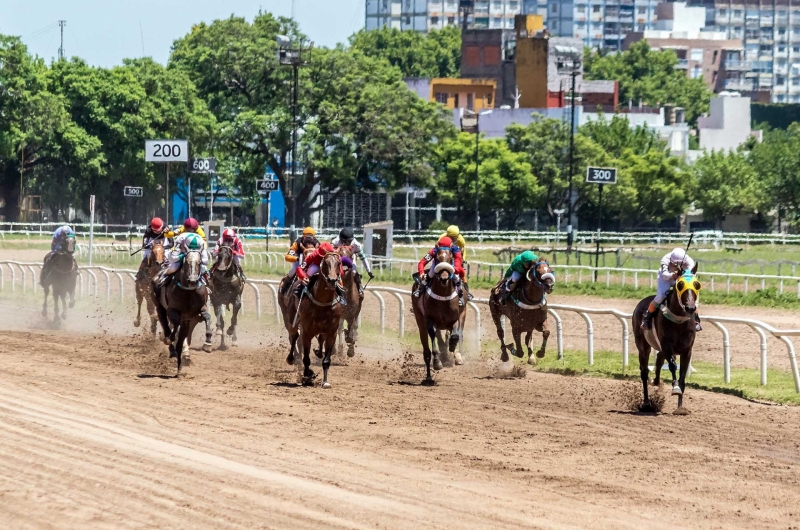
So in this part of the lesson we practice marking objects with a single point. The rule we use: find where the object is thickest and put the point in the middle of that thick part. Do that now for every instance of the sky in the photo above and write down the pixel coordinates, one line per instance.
(103, 32)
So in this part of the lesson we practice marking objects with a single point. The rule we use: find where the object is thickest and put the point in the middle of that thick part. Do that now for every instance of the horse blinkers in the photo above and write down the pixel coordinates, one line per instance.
(546, 280)
(688, 285)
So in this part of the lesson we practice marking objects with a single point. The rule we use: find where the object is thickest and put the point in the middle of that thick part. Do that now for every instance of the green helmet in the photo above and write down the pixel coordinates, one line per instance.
(193, 242)
(528, 257)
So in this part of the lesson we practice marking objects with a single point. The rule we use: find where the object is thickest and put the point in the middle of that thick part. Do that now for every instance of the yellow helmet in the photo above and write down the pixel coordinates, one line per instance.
(308, 231)
(453, 231)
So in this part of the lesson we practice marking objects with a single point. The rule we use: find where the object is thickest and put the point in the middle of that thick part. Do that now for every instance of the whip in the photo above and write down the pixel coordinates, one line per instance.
(297, 313)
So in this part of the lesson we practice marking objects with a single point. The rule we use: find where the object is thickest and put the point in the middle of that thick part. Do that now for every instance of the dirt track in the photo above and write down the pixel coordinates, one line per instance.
(93, 434)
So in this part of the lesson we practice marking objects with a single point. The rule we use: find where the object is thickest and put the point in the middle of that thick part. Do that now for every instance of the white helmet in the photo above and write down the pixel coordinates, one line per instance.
(678, 256)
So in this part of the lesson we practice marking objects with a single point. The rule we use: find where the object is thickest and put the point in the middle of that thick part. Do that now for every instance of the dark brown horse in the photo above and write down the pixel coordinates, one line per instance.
(181, 303)
(226, 291)
(354, 301)
(673, 333)
(61, 276)
(144, 286)
(526, 310)
(436, 310)
(316, 313)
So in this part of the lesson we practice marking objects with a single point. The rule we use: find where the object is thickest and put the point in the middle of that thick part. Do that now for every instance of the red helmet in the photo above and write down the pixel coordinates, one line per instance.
(190, 224)
(445, 242)
(325, 248)
(228, 234)
(157, 225)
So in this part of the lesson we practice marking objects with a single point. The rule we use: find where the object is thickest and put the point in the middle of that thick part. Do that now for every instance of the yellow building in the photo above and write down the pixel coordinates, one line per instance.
(531, 58)
(471, 94)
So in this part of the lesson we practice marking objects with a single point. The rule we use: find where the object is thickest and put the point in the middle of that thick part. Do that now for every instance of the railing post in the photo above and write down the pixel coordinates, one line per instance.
(559, 333)
(382, 310)
(589, 337)
(763, 350)
(402, 321)
(477, 310)
(726, 351)
(258, 299)
(275, 302)
(625, 339)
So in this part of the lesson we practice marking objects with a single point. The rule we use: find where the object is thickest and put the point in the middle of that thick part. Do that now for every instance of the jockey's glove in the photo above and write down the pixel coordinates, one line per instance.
(371, 275)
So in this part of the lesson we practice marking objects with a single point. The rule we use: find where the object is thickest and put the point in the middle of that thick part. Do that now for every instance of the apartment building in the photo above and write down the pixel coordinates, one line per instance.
(599, 23)
(770, 33)
(425, 15)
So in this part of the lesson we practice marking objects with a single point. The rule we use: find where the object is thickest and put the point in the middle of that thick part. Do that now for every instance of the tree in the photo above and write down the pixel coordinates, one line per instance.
(776, 162)
(361, 128)
(726, 183)
(650, 76)
(506, 181)
(435, 54)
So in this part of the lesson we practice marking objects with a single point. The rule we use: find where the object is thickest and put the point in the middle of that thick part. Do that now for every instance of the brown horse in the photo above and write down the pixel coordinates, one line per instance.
(527, 311)
(673, 333)
(226, 291)
(144, 286)
(62, 275)
(182, 303)
(316, 313)
(354, 301)
(437, 310)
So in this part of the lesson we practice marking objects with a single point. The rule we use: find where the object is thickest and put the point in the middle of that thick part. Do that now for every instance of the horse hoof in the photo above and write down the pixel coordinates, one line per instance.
(166, 341)
(136, 323)
(458, 360)
(504, 357)
(218, 333)
(172, 353)
(72, 304)
(234, 344)
(326, 385)
(223, 347)
(676, 391)
(351, 351)
(532, 360)
(680, 411)
(207, 347)
(230, 331)
(428, 382)
(318, 353)
(437, 364)
(540, 354)
(308, 381)
(516, 353)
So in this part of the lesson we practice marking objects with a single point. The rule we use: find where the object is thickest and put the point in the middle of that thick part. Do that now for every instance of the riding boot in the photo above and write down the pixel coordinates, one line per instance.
(508, 288)
(647, 321)
(460, 291)
(469, 294)
(357, 279)
(697, 325)
(420, 285)
(241, 273)
(340, 291)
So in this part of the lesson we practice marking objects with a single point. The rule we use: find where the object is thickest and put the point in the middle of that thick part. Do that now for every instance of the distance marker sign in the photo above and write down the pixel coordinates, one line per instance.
(601, 175)
(265, 186)
(133, 191)
(166, 151)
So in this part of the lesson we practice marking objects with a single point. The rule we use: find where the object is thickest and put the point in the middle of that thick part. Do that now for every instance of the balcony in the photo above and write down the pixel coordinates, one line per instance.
(683, 64)
(736, 65)
(740, 85)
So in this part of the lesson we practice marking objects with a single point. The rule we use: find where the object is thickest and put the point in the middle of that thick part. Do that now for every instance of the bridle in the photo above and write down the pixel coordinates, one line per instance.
(535, 278)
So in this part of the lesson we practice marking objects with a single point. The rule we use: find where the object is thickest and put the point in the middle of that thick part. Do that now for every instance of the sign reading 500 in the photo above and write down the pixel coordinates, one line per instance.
(166, 151)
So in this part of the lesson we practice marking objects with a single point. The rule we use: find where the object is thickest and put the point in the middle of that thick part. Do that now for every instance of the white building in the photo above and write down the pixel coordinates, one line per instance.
(728, 124)
(599, 23)
(425, 15)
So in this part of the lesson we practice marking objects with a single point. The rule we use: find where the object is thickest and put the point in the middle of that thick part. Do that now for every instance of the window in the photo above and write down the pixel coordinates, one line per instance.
(780, 81)
(781, 49)
(696, 54)
(497, 22)
(796, 49)
(513, 5)
(434, 21)
(580, 9)
(795, 81)
(596, 9)
(441, 97)
(722, 12)
(737, 13)
(471, 101)
(456, 101)
(779, 98)
(451, 21)
(696, 72)
(555, 8)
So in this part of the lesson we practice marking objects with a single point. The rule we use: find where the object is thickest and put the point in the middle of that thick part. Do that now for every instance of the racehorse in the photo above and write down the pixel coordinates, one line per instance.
(316, 313)
(181, 303)
(354, 301)
(526, 310)
(226, 290)
(673, 333)
(436, 310)
(62, 276)
(144, 287)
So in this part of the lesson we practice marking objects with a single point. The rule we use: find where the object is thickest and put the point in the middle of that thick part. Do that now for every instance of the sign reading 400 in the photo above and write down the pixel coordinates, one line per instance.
(166, 151)
(601, 175)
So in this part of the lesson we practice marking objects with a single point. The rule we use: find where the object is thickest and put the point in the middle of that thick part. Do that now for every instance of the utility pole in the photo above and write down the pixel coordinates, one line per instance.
(61, 24)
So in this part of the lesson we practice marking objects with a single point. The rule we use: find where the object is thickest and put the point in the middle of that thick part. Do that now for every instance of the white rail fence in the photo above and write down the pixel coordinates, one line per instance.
(22, 274)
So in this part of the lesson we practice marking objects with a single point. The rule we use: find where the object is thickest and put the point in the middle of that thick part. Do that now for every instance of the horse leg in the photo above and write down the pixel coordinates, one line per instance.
(437, 362)
(330, 342)
(341, 334)
(151, 311)
(441, 338)
(219, 309)
(644, 370)
(237, 306)
(139, 297)
(501, 334)
(540, 353)
(207, 319)
(686, 360)
(529, 345)
(426, 351)
(63, 305)
(659, 364)
(175, 320)
(182, 332)
(44, 306)
(318, 351)
(292, 346)
(163, 318)
(308, 373)
(352, 334)
(677, 390)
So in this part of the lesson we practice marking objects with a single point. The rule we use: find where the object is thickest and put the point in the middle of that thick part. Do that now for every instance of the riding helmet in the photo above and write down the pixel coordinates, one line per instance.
(325, 248)
(157, 225)
(445, 242)
(228, 234)
(190, 224)
(528, 257)
(453, 231)
(678, 256)
(193, 242)
(309, 231)
(346, 234)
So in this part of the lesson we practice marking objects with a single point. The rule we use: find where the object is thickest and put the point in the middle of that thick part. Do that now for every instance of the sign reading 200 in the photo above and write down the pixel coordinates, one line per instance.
(166, 151)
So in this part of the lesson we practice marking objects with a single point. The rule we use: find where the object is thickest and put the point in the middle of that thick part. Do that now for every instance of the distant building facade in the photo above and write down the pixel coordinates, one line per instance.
(598, 23)
(426, 15)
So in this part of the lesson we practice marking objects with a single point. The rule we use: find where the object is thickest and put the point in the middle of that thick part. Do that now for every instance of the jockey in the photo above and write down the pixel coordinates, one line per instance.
(154, 231)
(673, 265)
(61, 242)
(185, 243)
(230, 239)
(296, 252)
(311, 268)
(189, 225)
(347, 239)
(444, 242)
(454, 233)
(519, 269)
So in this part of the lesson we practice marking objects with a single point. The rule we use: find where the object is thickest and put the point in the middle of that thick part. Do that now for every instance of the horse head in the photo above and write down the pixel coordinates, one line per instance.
(443, 269)
(191, 267)
(542, 275)
(331, 268)
(157, 253)
(224, 258)
(687, 289)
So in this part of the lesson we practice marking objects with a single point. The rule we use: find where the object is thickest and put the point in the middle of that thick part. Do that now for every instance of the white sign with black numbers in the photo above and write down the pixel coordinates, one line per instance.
(601, 175)
(166, 151)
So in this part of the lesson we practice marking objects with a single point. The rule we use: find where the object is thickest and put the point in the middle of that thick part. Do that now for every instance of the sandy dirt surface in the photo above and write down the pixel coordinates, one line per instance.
(95, 433)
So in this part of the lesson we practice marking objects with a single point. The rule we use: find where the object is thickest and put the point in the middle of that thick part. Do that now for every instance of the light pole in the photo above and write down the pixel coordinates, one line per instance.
(294, 56)
(470, 122)
(569, 60)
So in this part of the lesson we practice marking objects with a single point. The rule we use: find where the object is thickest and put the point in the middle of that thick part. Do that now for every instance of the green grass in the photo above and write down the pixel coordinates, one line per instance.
(744, 381)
